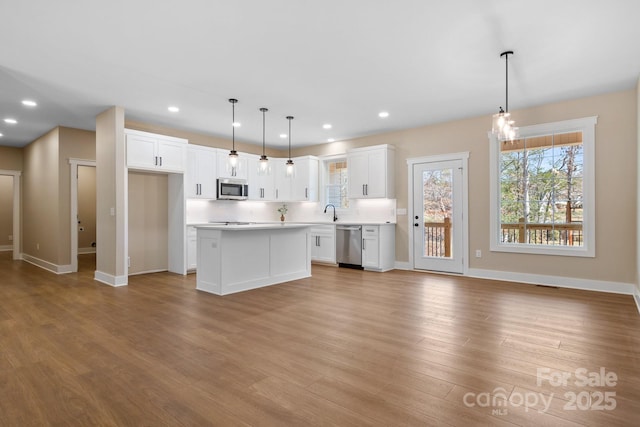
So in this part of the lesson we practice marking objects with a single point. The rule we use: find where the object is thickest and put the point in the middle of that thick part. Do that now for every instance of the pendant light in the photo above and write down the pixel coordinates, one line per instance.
(263, 163)
(290, 167)
(503, 127)
(233, 154)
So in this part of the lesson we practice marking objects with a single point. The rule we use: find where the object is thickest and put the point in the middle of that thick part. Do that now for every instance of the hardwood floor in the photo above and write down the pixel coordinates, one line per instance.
(344, 347)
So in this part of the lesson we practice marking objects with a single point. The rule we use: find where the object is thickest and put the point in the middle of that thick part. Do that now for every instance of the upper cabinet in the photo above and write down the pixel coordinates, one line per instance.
(149, 151)
(200, 175)
(371, 172)
(261, 187)
(240, 171)
(283, 183)
(305, 181)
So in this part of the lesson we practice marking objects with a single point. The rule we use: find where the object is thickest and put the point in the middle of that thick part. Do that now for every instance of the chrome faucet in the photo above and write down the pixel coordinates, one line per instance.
(335, 217)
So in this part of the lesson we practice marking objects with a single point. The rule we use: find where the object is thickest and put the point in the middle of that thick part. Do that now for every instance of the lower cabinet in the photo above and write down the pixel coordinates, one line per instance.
(323, 244)
(379, 247)
(192, 247)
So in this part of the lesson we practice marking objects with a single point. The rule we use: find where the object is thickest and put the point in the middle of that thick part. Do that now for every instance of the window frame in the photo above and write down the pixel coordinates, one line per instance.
(325, 179)
(586, 125)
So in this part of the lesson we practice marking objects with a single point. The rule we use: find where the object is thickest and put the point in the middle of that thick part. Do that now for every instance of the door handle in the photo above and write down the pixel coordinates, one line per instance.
(363, 193)
(416, 224)
(417, 217)
(160, 161)
(306, 193)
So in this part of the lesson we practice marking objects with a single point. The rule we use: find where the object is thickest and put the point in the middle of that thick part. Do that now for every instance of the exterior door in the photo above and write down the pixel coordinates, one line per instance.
(437, 216)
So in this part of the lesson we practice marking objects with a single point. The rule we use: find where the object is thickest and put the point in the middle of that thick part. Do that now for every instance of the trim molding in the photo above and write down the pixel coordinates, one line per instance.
(562, 282)
(46, 265)
(110, 280)
(636, 298)
(160, 270)
(6, 248)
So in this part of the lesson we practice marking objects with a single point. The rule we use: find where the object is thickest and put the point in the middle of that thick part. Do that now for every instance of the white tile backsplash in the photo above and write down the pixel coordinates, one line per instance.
(373, 210)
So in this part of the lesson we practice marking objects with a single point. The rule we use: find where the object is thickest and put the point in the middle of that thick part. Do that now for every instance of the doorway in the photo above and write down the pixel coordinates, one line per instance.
(83, 215)
(10, 218)
(438, 193)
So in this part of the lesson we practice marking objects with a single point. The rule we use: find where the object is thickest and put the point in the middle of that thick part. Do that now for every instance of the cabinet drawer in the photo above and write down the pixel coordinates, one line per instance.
(370, 231)
(323, 230)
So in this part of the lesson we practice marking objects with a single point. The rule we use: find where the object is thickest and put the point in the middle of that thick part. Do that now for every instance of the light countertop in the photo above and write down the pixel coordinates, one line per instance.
(252, 226)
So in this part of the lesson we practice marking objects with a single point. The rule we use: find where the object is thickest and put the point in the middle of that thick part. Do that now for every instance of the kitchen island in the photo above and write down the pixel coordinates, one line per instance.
(238, 257)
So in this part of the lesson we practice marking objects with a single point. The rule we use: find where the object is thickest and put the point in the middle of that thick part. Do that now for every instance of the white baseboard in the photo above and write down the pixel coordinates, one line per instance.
(110, 280)
(6, 248)
(86, 250)
(49, 266)
(148, 272)
(636, 298)
(562, 282)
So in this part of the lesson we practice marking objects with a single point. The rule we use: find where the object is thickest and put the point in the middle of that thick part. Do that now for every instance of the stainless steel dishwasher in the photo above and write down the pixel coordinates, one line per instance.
(349, 246)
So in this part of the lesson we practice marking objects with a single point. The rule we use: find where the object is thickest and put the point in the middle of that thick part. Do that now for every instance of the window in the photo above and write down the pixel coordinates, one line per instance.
(335, 182)
(543, 190)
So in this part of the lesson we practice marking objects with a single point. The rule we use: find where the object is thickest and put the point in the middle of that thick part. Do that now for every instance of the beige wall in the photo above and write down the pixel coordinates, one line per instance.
(40, 213)
(616, 147)
(6, 209)
(111, 178)
(11, 158)
(86, 207)
(148, 222)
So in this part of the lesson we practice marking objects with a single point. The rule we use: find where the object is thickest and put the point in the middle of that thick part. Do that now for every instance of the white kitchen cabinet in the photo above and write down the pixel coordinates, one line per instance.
(378, 247)
(241, 171)
(371, 172)
(283, 183)
(261, 187)
(200, 174)
(305, 180)
(148, 151)
(192, 248)
(323, 243)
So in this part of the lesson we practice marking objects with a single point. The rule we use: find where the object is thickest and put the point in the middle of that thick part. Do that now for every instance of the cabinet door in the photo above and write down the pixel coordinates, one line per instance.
(370, 246)
(171, 155)
(141, 152)
(283, 183)
(192, 247)
(305, 181)
(261, 187)
(326, 249)
(240, 171)
(376, 174)
(207, 168)
(358, 170)
(191, 178)
(370, 252)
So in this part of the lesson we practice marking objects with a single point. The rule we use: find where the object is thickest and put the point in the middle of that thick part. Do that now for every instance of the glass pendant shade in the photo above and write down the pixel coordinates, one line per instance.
(290, 171)
(233, 158)
(263, 163)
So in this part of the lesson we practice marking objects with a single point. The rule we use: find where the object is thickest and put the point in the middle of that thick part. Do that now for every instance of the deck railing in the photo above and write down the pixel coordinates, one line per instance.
(564, 234)
(437, 238)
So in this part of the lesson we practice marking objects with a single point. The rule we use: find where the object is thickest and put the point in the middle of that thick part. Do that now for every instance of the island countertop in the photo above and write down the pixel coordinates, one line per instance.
(251, 226)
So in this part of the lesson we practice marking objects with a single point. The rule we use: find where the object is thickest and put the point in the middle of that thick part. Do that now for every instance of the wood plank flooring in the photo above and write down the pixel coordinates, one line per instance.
(343, 348)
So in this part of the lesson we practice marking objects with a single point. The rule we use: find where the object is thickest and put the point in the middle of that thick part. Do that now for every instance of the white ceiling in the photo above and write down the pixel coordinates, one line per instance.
(329, 61)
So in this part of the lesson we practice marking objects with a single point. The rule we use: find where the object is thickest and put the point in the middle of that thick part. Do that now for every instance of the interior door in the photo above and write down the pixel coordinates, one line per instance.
(437, 216)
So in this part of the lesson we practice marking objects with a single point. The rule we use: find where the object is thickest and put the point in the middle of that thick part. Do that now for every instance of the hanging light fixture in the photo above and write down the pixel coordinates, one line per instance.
(233, 154)
(503, 127)
(290, 167)
(263, 163)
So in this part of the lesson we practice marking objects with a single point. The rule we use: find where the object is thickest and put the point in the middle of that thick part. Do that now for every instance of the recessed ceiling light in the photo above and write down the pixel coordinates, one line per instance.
(173, 109)
(383, 114)
(283, 135)
(29, 103)
(330, 140)
(326, 126)
(236, 124)
(1, 135)
(10, 121)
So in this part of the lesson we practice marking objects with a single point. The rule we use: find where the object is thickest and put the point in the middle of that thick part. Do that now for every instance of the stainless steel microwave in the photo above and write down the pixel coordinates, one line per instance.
(232, 189)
